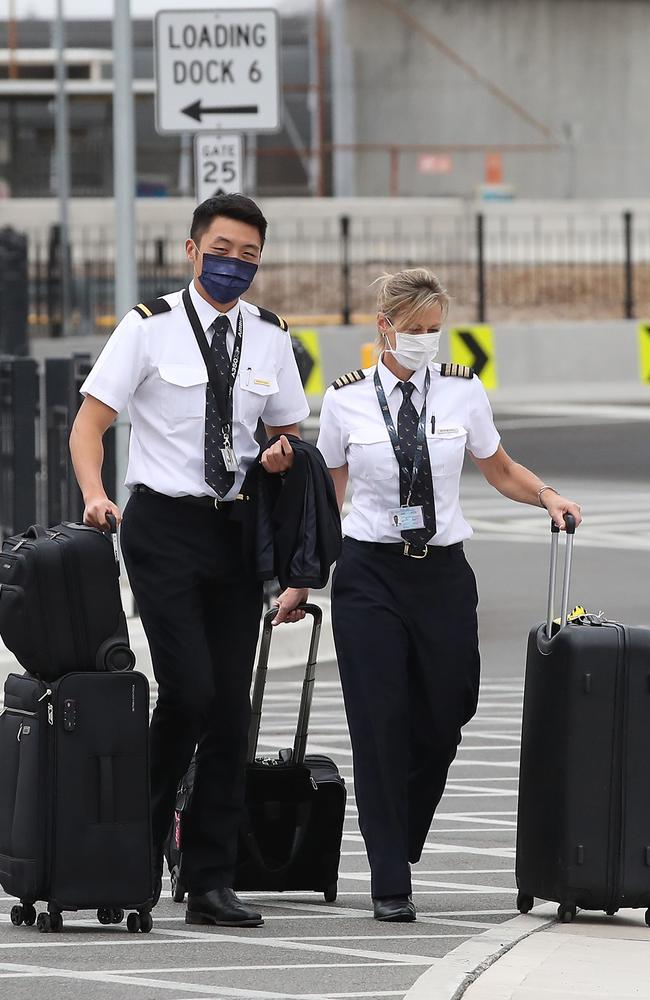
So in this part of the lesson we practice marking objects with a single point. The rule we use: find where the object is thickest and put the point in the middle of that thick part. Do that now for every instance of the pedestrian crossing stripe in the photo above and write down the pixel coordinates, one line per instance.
(644, 351)
(310, 340)
(473, 345)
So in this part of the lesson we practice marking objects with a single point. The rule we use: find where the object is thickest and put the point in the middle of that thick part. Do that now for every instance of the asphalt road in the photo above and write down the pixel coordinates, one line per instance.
(465, 882)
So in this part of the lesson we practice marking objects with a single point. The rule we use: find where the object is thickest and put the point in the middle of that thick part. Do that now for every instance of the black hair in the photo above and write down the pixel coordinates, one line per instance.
(231, 206)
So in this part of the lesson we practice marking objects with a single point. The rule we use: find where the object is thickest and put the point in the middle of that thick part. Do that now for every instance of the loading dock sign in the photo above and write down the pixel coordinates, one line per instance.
(217, 70)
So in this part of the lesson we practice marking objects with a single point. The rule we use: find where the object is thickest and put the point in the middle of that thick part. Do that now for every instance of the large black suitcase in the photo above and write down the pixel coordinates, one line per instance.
(583, 829)
(74, 797)
(60, 606)
(291, 834)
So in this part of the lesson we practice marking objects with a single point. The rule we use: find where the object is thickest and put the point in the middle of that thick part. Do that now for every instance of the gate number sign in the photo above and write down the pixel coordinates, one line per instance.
(218, 165)
(217, 70)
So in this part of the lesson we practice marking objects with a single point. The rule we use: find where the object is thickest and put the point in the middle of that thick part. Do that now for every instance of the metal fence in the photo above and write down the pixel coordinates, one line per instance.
(497, 267)
(37, 409)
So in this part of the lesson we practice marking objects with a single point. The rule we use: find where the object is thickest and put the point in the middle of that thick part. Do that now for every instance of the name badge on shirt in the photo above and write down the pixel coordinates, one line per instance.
(406, 518)
(229, 459)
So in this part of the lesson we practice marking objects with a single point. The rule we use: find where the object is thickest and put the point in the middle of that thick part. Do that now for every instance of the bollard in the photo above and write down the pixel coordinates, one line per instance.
(369, 354)
(18, 416)
(14, 289)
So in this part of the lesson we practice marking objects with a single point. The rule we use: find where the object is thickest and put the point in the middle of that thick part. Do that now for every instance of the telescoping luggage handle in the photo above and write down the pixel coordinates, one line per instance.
(302, 728)
(111, 521)
(570, 522)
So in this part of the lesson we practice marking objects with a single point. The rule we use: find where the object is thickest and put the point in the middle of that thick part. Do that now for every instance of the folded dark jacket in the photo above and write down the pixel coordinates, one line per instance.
(291, 523)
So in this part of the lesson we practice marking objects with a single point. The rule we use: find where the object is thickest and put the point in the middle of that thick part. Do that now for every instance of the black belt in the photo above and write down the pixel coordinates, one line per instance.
(186, 498)
(406, 549)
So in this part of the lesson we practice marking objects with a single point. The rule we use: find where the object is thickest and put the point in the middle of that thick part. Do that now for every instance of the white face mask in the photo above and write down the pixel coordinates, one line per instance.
(414, 350)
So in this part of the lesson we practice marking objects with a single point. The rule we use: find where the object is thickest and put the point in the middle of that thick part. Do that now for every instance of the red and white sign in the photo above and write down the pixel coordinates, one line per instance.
(435, 163)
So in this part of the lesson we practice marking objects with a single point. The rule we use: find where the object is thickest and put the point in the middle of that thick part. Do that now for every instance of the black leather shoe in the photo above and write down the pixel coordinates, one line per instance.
(221, 907)
(396, 909)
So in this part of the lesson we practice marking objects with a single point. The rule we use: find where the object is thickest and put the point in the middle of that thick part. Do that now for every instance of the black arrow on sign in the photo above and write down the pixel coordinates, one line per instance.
(195, 110)
(480, 357)
(304, 360)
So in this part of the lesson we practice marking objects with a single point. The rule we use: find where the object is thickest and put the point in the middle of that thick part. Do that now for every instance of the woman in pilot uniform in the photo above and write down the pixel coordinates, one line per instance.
(404, 596)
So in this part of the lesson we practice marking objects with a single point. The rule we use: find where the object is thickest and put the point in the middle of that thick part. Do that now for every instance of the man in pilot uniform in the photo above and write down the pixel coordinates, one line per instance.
(196, 370)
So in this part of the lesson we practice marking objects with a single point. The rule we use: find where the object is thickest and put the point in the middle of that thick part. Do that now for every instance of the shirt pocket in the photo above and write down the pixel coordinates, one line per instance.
(257, 385)
(370, 454)
(447, 451)
(182, 394)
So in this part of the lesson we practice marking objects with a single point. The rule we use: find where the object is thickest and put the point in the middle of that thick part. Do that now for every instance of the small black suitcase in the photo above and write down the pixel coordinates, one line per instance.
(74, 798)
(583, 829)
(295, 803)
(60, 605)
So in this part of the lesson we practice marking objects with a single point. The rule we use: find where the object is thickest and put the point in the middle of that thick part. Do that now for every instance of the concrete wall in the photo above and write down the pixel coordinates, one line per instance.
(578, 67)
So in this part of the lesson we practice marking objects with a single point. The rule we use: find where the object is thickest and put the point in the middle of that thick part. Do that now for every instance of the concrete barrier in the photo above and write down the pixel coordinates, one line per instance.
(539, 356)
(595, 357)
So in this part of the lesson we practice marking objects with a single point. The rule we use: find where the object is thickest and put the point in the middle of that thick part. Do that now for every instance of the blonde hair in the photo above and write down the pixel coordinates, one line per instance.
(408, 293)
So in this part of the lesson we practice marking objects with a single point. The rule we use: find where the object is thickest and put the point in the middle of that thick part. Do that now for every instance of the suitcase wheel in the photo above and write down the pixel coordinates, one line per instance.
(330, 893)
(610, 913)
(47, 922)
(110, 915)
(141, 921)
(524, 903)
(23, 913)
(178, 892)
(566, 912)
(115, 656)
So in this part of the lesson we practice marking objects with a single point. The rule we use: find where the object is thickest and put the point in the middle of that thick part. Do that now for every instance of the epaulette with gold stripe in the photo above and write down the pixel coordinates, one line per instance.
(147, 309)
(460, 371)
(271, 317)
(349, 378)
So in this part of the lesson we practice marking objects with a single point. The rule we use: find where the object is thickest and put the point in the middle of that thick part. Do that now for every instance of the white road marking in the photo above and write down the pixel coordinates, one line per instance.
(284, 944)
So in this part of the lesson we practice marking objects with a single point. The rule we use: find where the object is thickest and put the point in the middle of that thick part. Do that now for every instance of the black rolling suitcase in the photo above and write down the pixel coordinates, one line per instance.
(295, 803)
(74, 798)
(583, 829)
(60, 605)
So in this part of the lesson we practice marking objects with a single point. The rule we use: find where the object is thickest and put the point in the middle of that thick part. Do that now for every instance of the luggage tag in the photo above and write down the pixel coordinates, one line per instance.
(406, 518)
(229, 459)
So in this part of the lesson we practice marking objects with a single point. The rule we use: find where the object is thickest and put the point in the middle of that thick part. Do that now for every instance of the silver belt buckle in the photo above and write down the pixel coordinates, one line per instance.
(415, 555)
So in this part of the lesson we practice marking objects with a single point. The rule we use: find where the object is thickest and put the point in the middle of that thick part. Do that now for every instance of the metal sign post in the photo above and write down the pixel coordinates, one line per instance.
(217, 70)
(126, 276)
(218, 165)
(62, 133)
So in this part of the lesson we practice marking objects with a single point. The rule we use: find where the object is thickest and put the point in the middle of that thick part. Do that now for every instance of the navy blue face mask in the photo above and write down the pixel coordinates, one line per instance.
(226, 278)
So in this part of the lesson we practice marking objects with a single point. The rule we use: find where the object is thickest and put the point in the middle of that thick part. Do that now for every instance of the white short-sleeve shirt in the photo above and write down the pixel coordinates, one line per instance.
(153, 368)
(352, 431)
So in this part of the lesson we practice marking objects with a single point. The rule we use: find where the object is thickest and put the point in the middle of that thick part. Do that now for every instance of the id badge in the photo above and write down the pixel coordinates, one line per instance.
(229, 459)
(406, 518)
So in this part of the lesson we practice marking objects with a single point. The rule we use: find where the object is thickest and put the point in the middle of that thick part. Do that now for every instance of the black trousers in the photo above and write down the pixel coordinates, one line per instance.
(407, 645)
(201, 613)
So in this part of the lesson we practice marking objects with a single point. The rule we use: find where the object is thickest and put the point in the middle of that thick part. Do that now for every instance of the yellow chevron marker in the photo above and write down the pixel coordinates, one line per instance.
(473, 345)
(643, 332)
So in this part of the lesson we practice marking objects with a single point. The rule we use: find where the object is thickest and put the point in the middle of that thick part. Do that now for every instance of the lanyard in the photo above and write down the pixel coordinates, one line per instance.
(420, 441)
(225, 419)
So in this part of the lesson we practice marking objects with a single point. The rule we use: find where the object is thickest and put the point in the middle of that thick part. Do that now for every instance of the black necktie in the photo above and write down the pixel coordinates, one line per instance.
(216, 474)
(422, 492)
